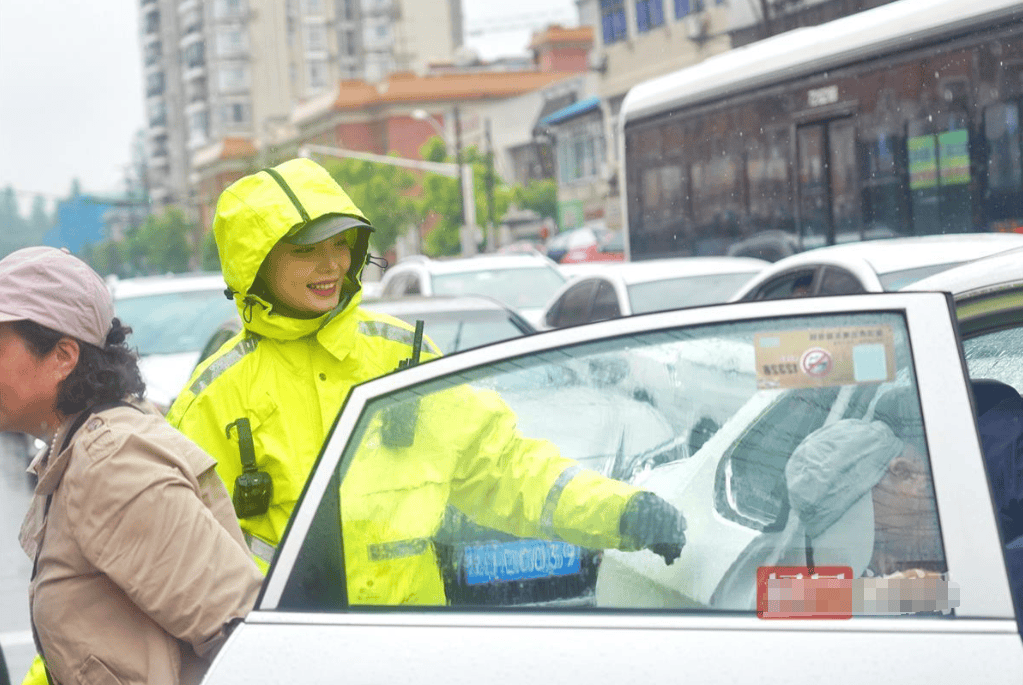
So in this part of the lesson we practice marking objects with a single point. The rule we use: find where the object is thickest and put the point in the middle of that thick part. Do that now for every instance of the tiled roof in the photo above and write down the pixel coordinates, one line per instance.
(408, 88)
(558, 35)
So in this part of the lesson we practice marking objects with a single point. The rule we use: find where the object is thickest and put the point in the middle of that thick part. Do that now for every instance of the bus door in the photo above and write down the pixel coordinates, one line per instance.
(829, 205)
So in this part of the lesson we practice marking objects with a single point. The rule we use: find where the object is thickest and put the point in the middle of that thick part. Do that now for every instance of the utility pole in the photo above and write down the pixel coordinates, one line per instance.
(489, 184)
(467, 223)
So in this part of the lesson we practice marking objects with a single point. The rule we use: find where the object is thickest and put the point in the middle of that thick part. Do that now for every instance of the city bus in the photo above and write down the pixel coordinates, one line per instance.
(897, 121)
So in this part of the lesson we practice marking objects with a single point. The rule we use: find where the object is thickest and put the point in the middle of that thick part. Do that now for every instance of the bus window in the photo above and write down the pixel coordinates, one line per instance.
(939, 175)
(1004, 199)
(814, 204)
(770, 186)
(885, 210)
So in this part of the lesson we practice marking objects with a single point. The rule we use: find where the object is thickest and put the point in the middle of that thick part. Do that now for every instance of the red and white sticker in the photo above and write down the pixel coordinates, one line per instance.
(816, 362)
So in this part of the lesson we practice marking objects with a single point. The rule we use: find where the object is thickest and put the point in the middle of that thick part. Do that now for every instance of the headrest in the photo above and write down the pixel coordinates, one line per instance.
(989, 392)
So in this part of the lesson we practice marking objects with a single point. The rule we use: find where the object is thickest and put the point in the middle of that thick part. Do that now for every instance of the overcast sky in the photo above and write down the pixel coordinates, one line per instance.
(71, 84)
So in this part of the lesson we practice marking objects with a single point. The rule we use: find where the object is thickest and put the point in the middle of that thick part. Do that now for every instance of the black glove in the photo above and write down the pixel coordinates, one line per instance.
(651, 523)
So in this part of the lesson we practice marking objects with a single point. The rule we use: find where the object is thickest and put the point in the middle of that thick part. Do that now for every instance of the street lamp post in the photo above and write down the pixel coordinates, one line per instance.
(466, 185)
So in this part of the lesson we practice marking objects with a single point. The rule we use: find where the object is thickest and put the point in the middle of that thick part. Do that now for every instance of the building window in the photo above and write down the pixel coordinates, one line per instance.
(612, 20)
(580, 153)
(195, 55)
(234, 114)
(232, 78)
(230, 41)
(229, 8)
(315, 39)
(198, 123)
(154, 51)
(152, 22)
(684, 7)
(317, 69)
(649, 14)
(351, 43)
(154, 84)
(157, 113)
(192, 22)
(313, 7)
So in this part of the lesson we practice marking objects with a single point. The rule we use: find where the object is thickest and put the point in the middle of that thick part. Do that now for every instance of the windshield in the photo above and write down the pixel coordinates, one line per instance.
(676, 293)
(172, 323)
(520, 288)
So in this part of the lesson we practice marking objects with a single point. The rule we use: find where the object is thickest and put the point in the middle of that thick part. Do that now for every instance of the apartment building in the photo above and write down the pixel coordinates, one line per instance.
(233, 70)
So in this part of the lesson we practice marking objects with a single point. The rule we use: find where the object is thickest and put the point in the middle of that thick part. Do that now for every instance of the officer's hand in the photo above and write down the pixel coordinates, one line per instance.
(651, 523)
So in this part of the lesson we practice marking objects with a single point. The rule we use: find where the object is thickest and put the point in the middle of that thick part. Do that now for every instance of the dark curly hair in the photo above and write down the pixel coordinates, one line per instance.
(101, 375)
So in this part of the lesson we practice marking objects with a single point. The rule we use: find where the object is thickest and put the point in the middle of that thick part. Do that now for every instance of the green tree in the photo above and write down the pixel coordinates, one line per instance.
(383, 193)
(541, 196)
(160, 245)
(441, 196)
(209, 258)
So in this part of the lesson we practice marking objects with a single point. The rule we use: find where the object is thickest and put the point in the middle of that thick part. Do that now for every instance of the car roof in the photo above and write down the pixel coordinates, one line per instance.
(1003, 271)
(168, 283)
(483, 262)
(897, 254)
(679, 267)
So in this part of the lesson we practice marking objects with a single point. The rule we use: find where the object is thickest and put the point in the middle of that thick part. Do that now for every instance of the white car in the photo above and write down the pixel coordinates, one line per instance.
(608, 290)
(522, 281)
(871, 266)
(926, 577)
(171, 318)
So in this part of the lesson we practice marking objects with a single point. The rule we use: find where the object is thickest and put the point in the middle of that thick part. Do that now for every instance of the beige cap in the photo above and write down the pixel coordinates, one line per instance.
(55, 289)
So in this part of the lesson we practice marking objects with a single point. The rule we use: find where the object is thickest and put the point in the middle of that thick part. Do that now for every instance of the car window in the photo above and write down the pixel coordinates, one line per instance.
(676, 293)
(797, 284)
(605, 303)
(838, 281)
(172, 323)
(574, 305)
(523, 287)
(997, 355)
(457, 493)
(895, 280)
(411, 286)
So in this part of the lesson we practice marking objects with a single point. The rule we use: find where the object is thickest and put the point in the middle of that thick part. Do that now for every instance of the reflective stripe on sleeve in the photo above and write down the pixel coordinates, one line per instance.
(224, 362)
(260, 548)
(554, 494)
(396, 550)
(380, 329)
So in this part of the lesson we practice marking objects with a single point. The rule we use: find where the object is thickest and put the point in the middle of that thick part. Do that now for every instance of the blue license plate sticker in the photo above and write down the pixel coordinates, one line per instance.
(519, 560)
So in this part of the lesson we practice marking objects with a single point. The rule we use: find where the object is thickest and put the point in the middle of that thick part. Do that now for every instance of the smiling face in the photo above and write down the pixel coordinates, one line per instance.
(306, 280)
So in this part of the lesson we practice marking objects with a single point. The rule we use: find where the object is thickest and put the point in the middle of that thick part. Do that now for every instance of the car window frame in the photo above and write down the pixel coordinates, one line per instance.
(960, 482)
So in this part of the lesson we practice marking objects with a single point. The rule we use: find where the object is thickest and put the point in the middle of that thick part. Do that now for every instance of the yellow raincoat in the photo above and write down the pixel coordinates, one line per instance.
(289, 377)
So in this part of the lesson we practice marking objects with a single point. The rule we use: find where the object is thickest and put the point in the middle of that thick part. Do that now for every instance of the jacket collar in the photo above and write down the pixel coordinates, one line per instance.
(335, 330)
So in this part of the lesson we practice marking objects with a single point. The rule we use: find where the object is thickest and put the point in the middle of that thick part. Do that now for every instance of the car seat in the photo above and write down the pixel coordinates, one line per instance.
(1000, 427)
(830, 518)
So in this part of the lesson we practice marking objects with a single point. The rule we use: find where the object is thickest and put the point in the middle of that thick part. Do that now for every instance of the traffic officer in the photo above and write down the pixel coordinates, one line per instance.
(292, 247)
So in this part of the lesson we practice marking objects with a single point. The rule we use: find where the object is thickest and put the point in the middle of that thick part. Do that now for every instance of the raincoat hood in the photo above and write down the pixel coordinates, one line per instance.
(255, 212)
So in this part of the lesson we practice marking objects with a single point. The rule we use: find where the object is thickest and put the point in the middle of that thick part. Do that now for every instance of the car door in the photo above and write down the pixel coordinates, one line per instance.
(910, 514)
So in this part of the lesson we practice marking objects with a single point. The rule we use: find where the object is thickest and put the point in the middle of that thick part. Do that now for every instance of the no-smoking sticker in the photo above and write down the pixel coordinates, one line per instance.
(821, 357)
(816, 362)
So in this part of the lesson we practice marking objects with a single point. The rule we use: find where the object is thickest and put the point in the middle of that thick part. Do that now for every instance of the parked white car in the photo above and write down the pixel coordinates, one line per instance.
(171, 318)
(884, 360)
(871, 266)
(523, 281)
(608, 290)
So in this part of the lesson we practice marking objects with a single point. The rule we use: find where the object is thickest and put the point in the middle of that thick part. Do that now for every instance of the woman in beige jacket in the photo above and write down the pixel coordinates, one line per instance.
(140, 567)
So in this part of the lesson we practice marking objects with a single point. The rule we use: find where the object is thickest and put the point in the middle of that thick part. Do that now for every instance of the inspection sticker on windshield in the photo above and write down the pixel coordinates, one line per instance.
(519, 560)
(815, 358)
